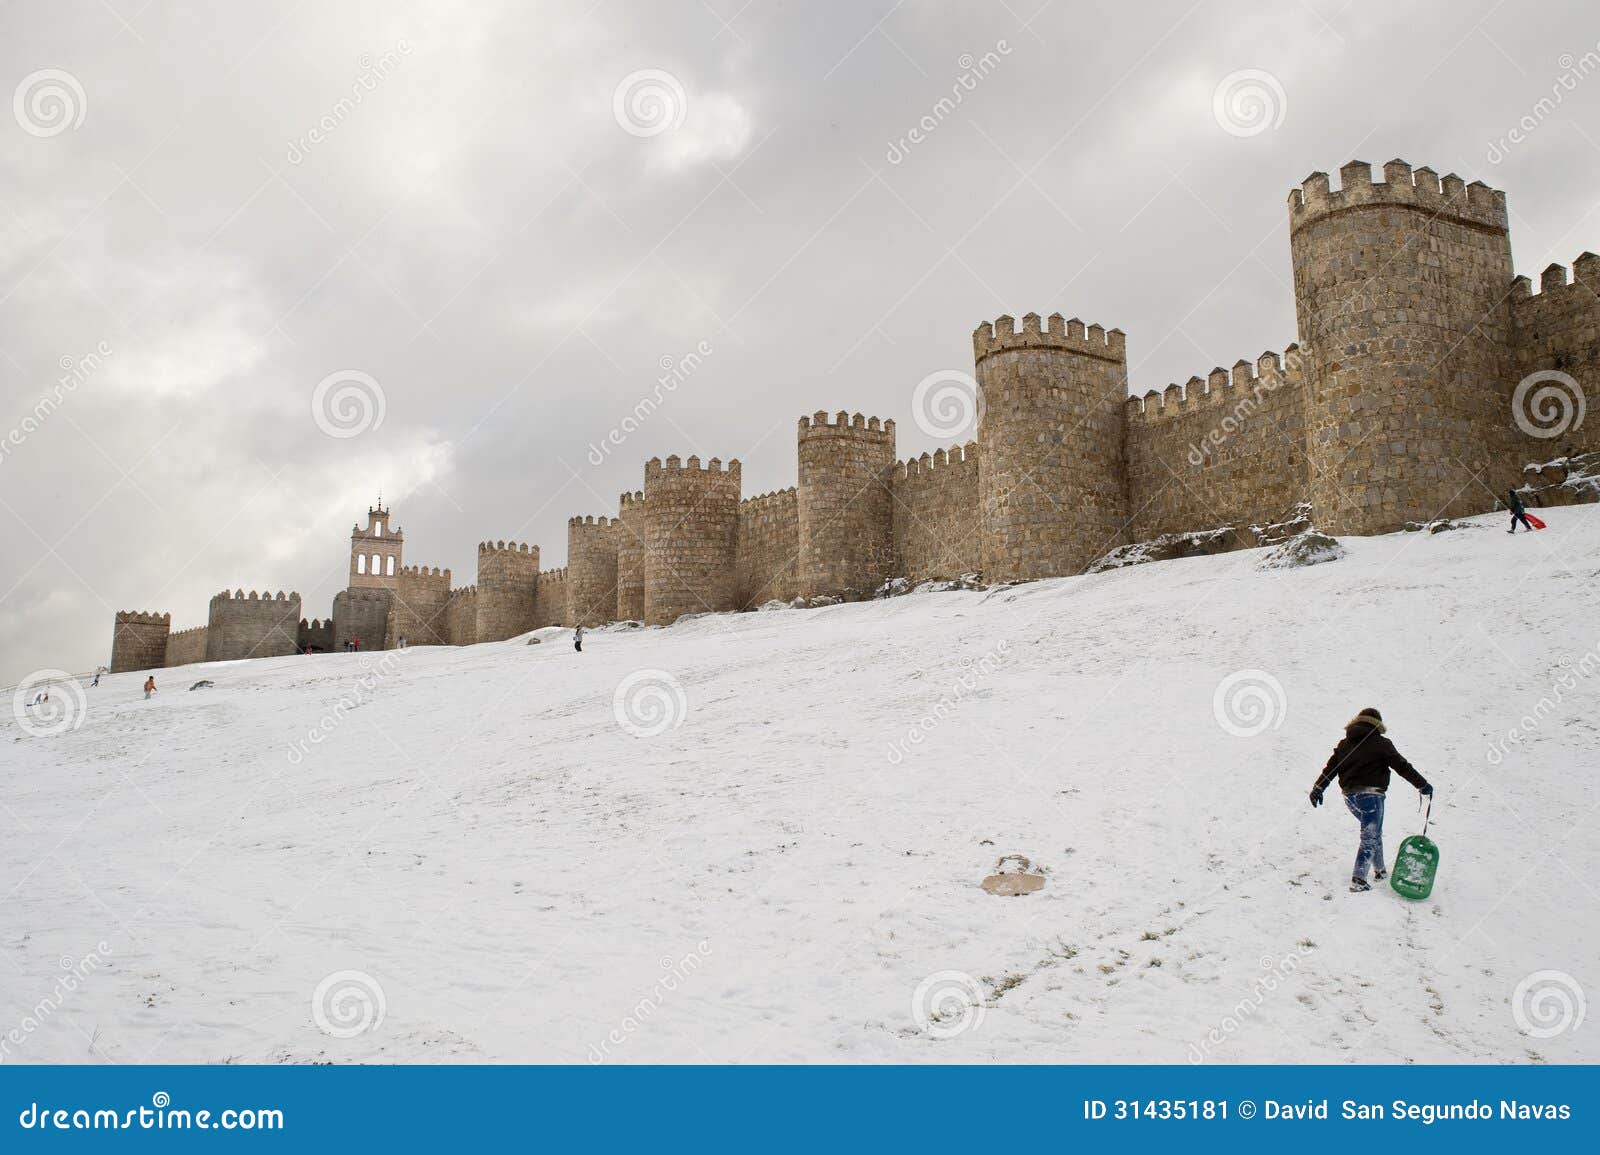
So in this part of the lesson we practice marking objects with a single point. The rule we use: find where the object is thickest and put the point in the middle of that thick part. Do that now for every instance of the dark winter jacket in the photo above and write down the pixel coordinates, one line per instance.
(1516, 502)
(1363, 759)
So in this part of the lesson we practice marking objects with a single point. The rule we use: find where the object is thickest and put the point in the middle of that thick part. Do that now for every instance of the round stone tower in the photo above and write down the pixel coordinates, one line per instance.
(592, 569)
(691, 538)
(1402, 295)
(630, 557)
(508, 575)
(1052, 485)
(845, 505)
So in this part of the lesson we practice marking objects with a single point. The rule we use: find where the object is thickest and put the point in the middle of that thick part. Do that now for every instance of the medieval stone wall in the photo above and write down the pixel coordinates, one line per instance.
(361, 615)
(507, 575)
(846, 512)
(315, 635)
(1558, 332)
(937, 531)
(592, 569)
(630, 557)
(139, 641)
(769, 549)
(1052, 488)
(185, 647)
(550, 600)
(1402, 290)
(254, 625)
(1227, 450)
(461, 617)
(417, 612)
(691, 531)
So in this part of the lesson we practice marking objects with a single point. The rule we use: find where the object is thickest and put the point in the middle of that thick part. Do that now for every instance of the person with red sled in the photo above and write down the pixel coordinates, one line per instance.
(1520, 513)
(1362, 761)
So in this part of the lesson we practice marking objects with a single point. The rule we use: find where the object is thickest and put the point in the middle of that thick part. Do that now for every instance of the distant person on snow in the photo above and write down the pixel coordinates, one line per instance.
(40, 698)
(149, 686)
(1518, 512)
(577, 639)
(96, 681)
(1362, 761)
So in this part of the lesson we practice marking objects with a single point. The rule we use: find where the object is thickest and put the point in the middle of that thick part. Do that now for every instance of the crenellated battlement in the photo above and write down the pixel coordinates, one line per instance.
(511, 547)
(845, 425)
(422, 571)
(762, 501)
(142, 617)
(1450, 197)
(1585, 272)
(253, 596)
(1221, 388)
(673, 464)
(599, 522)
(463, 592)
(939, 459)
(636, 498)
(1055, 332)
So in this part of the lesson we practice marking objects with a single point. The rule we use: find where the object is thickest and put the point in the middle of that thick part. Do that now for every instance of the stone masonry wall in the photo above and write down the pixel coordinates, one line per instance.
(1228, 450)
(1052, 487)
(630, 557)
(252, 626)
(507, 575)
(315, 635)
(461, 617)
(846, 510)
(139, 641)
(361, 614)
(937, 533)
(1402, 290)
(185, 647)
(417, 613)
(1558, 329)
(592, 569)
(769, 548)
(550, 600)
(691, 537)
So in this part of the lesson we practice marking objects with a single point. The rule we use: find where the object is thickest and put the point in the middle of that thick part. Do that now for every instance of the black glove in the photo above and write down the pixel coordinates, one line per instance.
(1426, 791)
(1316, 797)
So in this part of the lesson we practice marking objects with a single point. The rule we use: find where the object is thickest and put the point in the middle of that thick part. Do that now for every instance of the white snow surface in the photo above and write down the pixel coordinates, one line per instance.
(785, 873)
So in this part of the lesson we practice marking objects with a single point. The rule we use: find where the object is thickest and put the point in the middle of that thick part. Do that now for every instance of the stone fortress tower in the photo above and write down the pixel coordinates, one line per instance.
(1403, 294)
(1404, 400)
(690, 539)
(846, 510)
(1050, 440)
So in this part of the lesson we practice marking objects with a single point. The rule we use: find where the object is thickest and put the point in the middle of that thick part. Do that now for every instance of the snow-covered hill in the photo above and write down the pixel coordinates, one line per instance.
(790, 869)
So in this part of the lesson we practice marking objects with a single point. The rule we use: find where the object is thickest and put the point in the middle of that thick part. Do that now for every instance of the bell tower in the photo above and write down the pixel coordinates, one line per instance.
(375, 552)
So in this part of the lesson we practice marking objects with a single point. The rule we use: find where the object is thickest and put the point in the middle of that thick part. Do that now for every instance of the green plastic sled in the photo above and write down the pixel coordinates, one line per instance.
(1414, 867)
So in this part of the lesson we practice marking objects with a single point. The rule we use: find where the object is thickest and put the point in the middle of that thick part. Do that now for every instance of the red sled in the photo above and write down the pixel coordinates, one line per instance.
(1533, 521)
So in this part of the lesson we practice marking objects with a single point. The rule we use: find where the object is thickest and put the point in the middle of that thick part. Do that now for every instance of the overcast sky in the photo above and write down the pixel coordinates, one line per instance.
(205, 214)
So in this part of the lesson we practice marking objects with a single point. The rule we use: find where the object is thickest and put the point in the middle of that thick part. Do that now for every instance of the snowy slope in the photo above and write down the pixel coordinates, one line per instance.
(786, 875)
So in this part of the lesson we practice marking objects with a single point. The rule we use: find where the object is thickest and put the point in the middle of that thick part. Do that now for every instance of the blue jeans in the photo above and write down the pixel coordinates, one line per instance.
(1367, 806)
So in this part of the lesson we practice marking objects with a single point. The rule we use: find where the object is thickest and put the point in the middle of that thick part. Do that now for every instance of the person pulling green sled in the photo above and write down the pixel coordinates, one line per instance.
(1362, 761)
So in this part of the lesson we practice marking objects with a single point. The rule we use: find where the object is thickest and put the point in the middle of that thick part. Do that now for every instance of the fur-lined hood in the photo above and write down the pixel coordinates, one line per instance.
(1365, 719)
